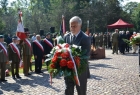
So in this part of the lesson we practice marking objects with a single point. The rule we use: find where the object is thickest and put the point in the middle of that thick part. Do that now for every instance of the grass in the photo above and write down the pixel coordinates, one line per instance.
(33, 67)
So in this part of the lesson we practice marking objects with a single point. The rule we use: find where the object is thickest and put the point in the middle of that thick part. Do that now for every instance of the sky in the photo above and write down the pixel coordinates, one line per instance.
(125, 1)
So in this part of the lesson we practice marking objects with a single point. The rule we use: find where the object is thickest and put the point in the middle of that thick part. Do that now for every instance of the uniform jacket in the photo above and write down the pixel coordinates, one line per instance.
(3, 57)
(26, 49)
(13, 55)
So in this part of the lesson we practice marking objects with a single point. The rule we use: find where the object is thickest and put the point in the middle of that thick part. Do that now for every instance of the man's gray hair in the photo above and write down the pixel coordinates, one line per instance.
(127, 31)
(76, 19)
(37, 35)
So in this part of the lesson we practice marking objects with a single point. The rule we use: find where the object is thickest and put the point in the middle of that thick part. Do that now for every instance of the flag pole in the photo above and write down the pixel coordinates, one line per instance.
(63, 24)
(87, 32)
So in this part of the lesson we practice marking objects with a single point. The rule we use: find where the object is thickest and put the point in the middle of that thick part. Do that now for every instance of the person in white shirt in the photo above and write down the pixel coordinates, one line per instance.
(33, 37)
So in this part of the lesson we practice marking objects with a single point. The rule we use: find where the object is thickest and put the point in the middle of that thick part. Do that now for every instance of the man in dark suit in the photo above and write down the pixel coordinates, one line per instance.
(38, 52)
(128, 35)
(9, 39)
(47, 44)
(77, 37)
(121, 42)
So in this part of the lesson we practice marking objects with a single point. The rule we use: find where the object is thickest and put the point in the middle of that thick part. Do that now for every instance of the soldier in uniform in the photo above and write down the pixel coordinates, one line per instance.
(108, 40)
(115, 37)
(96, 40)
(105, 40)
(27, 53)
(3, 58)
(14, 56)
(101, 40)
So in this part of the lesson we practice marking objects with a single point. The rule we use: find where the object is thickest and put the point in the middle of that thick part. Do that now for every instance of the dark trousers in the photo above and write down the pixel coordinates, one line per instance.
(38, 64)
(2, 72)
(81, 90)
(16, 66)
(122, 48)
(127, 47)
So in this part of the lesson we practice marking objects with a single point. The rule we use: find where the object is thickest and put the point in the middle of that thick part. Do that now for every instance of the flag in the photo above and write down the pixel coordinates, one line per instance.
(62, 27)
(20, 28)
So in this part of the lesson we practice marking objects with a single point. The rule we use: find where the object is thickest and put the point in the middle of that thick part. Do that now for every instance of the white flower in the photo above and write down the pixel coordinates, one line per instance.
(75, 46)
(138, 36)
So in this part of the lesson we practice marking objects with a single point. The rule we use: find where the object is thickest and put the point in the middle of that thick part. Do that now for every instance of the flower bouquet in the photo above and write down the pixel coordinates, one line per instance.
(135, 39)
(68, 61)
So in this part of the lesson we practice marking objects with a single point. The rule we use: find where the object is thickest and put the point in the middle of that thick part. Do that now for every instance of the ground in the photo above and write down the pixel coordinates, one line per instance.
(114, 75)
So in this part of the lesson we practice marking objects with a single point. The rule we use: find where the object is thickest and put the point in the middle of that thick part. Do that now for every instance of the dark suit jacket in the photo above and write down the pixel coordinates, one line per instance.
(9, 40)
(37, 50)
(121, 37)
(47, 48)
(81, 40)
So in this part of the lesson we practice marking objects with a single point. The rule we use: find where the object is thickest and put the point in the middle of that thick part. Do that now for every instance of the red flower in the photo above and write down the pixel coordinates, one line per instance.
(63, 62)
(54, 60)
(57, 53)
(67, 45)
(77, 60)
(59, 46)
(52, 65)
(70, 64)
(65, 55)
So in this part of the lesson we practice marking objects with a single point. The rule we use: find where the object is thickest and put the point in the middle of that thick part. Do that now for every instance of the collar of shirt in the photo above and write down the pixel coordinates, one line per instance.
(14, 43)
(76, 34)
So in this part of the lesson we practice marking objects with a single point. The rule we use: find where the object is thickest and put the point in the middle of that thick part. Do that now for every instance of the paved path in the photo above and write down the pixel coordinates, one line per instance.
(115, 75)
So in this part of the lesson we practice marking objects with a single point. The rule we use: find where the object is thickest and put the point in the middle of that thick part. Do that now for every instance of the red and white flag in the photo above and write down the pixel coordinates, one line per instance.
(20, 28)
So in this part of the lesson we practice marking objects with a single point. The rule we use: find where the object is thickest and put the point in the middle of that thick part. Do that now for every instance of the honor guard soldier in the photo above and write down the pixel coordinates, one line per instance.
(3, 58)
(14, 57)
(27, 53)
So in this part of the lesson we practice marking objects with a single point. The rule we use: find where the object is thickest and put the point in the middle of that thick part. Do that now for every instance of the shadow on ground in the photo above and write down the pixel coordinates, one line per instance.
(96, 77)
(131, 54)
(32, 81)
(97, 66)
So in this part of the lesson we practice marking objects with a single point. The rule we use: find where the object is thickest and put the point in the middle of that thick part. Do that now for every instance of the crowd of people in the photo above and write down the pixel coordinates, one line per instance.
(15, 50)
(15, 53)
(114, 41)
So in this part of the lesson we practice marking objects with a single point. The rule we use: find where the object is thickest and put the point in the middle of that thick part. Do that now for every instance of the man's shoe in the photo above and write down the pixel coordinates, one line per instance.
(13, 77)
(37, 72)
(29, 74)
(3, 80)
(40, 72)
(18, 77)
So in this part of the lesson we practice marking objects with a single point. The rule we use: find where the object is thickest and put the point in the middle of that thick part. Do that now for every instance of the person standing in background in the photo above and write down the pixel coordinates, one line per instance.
(14, 57)
(27, 53)
(115, 37)
(3, 58)
(8, 39)
(38, 52)
(96, 40)
(105, 40)
(134, 46)
(47, 44)
(33, 37)
(101, 39)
